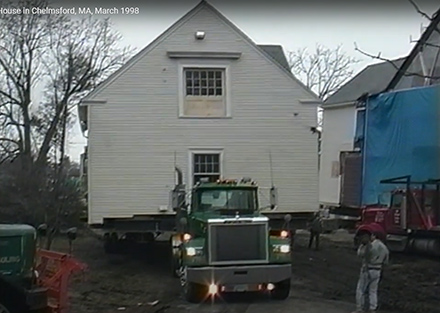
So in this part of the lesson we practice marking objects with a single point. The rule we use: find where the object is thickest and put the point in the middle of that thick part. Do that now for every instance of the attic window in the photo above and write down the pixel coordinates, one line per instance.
(204, 82)
(204, 91)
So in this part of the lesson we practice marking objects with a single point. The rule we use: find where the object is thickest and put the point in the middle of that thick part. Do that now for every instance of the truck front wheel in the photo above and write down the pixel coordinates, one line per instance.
(194, 293)
(281, 290)
(10, 308)
(11, 301)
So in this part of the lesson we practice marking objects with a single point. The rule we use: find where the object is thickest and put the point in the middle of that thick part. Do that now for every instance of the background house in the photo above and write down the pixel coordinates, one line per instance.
(338, 131)
(340, 167)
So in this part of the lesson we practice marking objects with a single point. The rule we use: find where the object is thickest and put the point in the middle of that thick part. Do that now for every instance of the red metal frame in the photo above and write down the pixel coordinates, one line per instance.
(54, 270)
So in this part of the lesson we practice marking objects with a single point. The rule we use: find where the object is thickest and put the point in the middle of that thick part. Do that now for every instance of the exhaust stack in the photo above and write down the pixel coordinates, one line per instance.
(179, 176)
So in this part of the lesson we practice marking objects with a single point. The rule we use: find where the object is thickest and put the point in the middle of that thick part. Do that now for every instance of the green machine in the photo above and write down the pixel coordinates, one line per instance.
(19, 292)
(225, 244)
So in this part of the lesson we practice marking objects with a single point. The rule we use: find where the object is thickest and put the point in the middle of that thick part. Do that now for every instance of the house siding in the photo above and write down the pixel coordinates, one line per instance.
(136, 136)
(337, 135)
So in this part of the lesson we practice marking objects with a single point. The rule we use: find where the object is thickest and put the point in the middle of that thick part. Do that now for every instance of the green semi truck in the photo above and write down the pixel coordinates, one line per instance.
(19, 292)
(225, 244)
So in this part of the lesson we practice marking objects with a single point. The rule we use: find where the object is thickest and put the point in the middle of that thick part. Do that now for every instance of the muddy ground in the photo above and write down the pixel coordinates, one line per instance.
(131, 283)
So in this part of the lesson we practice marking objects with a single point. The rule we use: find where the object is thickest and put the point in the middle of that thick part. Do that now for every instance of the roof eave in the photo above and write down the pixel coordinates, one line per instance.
(339, 105)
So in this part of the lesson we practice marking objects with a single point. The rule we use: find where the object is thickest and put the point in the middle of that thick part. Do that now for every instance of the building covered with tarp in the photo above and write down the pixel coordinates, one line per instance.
(398, 134)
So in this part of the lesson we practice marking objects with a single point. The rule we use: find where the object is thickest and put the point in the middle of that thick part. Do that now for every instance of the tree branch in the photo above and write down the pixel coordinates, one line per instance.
(378, 57)
(420, 11)
(324, 70)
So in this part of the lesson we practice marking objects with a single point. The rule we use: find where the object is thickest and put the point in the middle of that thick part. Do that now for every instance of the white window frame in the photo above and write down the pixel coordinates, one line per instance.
(357, 110)
(356, 123)
(226, 88)
(194, 151)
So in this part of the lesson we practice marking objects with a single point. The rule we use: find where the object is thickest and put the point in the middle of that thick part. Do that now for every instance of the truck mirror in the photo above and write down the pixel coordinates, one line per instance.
(42, 230)
(71, 233)
(287, 218)
(273, 198)
(178, 196)
(174, 199)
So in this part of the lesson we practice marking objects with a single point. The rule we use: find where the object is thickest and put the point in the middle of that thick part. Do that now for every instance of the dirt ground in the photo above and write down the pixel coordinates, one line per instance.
(132, 283)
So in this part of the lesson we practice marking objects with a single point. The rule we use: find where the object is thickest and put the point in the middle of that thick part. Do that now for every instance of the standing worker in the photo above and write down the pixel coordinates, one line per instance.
(315, 230)
(374, 255)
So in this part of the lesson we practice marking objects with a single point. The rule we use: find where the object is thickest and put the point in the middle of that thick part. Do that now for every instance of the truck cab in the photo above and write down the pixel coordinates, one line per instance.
(225, 244)
(18, 289)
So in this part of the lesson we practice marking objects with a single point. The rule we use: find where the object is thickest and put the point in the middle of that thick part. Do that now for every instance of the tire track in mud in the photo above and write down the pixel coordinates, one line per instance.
(410, 285)
(225, 307)
(130, 283)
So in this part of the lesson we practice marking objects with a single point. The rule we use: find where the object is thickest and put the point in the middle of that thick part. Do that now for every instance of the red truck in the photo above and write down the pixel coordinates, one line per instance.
(411, 223)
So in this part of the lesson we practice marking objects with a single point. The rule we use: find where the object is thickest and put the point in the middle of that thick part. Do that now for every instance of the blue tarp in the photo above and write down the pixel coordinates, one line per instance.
(402, 137)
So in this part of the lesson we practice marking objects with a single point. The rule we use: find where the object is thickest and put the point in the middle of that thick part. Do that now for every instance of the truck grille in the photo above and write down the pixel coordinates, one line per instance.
(238, 243)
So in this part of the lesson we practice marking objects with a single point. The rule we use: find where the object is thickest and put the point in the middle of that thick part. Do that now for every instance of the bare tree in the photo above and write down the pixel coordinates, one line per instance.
(422, 44)
(69, 58)
(324, 70)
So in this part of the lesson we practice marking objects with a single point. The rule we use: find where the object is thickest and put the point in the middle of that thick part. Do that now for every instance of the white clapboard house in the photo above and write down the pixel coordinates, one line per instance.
(204, 97)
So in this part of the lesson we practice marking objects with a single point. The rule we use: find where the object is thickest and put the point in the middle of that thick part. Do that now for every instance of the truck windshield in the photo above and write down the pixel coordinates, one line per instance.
(218, 200)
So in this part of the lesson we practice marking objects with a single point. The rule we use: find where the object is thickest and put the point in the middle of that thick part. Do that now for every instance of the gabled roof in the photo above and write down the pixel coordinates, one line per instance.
(372, 79)
(430, 30)
(273, 53)
(277, 53)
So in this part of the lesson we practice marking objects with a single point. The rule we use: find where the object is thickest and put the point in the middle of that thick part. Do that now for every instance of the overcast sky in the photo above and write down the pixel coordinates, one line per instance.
(385, 27)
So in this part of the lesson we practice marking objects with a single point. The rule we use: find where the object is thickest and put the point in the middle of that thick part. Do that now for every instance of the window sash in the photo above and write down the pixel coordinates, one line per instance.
(204, 82)
(206, 164)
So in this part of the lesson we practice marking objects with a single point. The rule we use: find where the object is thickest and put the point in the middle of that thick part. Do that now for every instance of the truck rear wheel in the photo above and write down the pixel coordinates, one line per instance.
(281, 290)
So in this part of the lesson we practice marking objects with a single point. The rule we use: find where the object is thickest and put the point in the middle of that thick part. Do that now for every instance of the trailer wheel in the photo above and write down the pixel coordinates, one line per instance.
(281, 290)
(112, 244)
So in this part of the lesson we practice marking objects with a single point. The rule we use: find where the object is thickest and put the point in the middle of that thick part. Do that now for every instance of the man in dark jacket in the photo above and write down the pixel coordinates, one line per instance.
(315, 228)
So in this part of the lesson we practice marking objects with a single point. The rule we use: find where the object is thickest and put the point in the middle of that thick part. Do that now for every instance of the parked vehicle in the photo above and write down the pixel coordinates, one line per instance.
(225, 244)
(412, 221)
(27, 285)
(19, 291)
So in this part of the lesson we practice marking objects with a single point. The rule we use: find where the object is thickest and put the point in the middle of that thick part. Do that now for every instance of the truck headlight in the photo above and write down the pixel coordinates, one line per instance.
(281, 248)
(193, 251)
